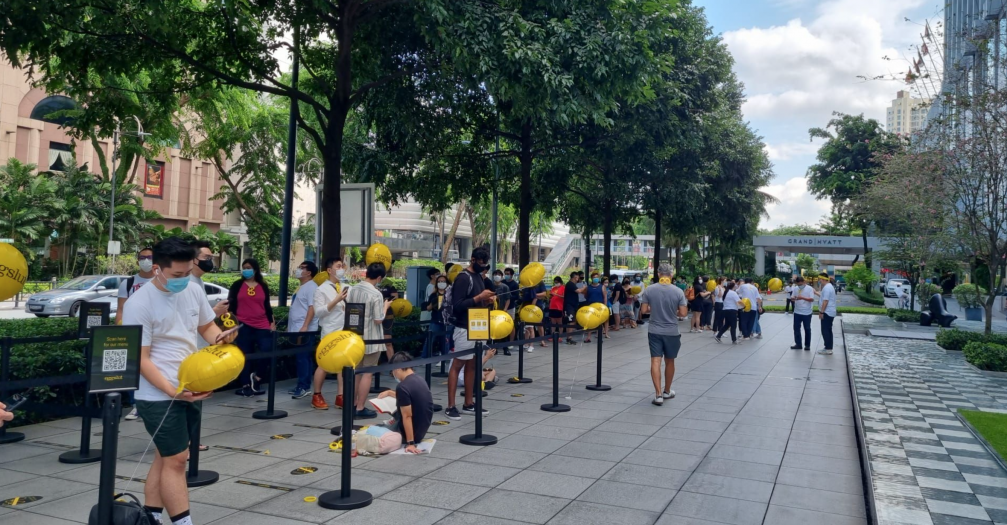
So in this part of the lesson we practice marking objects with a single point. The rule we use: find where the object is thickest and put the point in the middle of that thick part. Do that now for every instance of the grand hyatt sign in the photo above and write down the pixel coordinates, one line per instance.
(812, 241)
(815, 243)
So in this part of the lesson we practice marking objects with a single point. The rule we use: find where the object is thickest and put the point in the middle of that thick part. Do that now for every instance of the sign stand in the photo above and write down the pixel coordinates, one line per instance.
(91, 315)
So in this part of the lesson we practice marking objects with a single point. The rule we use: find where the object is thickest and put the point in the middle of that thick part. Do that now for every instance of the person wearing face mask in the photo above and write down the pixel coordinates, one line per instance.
(638, 281)
(434, 303)
(467, 292)
(804, 300)
(202, 265)
(329, 303)
(432, 275)
(146, 261)
(596, 293)
(173, 312)
(301, 318)
(248, 302)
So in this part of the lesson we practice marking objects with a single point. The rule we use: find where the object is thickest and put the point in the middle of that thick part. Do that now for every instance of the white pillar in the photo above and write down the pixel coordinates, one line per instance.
(760, 261)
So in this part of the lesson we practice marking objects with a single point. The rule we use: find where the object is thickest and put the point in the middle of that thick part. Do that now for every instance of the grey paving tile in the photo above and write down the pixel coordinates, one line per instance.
(585, 468)
(290, 505)
(647, 475)
(823, 464)
(728, 487)
(663, 459)
(584, 513)
(50, 489)
(591, 451)
(406, 464)
(751, 455)
(504, 457)
(612, 438)
(642, 497)
(464, 518)
(821, 480)
(531, 443)
(663, 444)
(382, 512)
(716, 509)
(473, 474)
(24, 517)
(519, 506)
(434, 493)
(548, 484)
(738, 469)
(549, 431)
(778, 515)
(819, 500)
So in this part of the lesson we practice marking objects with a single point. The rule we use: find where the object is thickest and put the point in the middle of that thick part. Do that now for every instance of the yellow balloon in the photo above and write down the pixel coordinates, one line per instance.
(588, 317)
(501, 325)
(379, 253)
(402, 308)
(635, 290)
(711, 285)
(531, 314)
(210, 368)
(453, 272)
(748, 304)
(339, 349)
(13, 271)
(321, 277)
(531, 275)
(775, 284)
(602, 311)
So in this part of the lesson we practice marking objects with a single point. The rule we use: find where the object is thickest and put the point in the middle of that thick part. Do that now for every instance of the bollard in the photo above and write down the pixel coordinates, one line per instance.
(269, 413)
(445, 345)
(111, 412)
(195, 477)
(84, 454)
(346, 498)
(520, 378)
(478, 439)
(427, 373)
(597, 386)
(5, 349)
(377, 388)
(555, 406)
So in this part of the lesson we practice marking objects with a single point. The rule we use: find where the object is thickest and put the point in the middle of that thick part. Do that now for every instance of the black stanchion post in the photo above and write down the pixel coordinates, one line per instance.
(478, 439)
(5, 349)
(84, 454)
(597, 386)
(555, 406)
(427, 372)
(195, 477)
(109, 448)
(520, 378)
(445, 348)
(346, 498)
(269, 413)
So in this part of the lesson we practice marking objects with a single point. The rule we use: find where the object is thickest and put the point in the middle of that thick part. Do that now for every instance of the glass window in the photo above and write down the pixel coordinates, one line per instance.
(112, 283)
(60, 156)
(49, 108)
(80, 283)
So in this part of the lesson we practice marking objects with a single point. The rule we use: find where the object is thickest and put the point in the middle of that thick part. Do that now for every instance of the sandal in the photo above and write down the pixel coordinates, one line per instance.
(204, 448)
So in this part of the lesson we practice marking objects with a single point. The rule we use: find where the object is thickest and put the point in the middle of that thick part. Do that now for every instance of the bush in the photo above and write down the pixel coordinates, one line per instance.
(867, 310)
(906, 316)
(891, 312)
(956, 339)
(986, 356)
(860, 276)
(869, 297)
(969, 295)
(272, 281)
(924, 292)
(399, 266)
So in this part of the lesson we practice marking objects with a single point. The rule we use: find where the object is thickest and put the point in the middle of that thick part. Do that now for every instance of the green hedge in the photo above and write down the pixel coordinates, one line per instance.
(986, 356)
(868, 310)
(955, 339)
(870, 297)
(906, 316)
(34, 360)
(273, 281)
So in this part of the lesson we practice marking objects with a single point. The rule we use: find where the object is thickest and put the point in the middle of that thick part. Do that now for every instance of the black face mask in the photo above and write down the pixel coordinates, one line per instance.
(479, 268)
(206, 266)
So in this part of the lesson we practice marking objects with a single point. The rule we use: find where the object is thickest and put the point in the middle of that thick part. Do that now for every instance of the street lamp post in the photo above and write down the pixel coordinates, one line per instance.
(288, 191)
(116, 136)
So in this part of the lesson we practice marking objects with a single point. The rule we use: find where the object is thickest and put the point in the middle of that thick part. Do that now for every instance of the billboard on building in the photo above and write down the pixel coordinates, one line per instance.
(153, 184)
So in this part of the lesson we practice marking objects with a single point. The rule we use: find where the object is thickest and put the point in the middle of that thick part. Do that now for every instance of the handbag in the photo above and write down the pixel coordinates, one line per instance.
(125, 512)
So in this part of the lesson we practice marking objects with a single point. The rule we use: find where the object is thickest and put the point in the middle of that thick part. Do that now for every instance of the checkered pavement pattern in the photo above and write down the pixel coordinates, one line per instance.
(926, 467)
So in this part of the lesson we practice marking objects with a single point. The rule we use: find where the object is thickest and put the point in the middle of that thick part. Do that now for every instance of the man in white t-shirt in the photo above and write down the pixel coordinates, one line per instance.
(804, 301)
(329, 308)
(145, 259)
(375, 306)
(827, 313)
(301, 318)
(750, 292)
(172, 310)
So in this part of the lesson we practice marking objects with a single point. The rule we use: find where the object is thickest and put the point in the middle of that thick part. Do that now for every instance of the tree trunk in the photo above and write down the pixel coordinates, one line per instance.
(526, 200)
(477, 239)
(606, 235)
(451, 235)
(867, 250)
(992, 298)
(658, 216)
(332, 155)
(678, 256)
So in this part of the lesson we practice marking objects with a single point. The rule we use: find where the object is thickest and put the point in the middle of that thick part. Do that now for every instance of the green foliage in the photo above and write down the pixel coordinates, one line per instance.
(272, 281)
(924, 292)
(868, 310)
(970, 296)
(849, 158)
(808, 263)
(955, 339)
(906, 316)
(36, 360)
(991, 426)
(986, 356)
(869, 297)
(861, 276)
(399, 266)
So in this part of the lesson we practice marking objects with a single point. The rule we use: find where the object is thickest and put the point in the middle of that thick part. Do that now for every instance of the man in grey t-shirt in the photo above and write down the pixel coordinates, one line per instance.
(666, 304)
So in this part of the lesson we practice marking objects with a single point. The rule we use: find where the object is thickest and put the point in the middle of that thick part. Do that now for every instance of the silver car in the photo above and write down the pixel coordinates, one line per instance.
(893, 288)
(70, 296)
(214, 293)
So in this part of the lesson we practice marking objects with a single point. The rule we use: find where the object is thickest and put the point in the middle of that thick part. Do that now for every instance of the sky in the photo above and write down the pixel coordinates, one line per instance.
(799, 61)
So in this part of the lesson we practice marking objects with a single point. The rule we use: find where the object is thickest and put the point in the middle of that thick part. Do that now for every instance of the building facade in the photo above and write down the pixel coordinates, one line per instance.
(907, 115)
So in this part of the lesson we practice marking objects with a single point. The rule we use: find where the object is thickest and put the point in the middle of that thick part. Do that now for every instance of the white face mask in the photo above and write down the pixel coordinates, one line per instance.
(146, 265)
(340, 273)
(298, 273)
(497, 278)
(442, 286)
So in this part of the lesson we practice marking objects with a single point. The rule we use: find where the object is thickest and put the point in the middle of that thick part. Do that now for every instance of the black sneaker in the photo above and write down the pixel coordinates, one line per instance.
(471, 410)
(795, 347)
(245, 391)
(807, 348)
(452, 413)
(506, 351)
(570, 341)
(364, 413)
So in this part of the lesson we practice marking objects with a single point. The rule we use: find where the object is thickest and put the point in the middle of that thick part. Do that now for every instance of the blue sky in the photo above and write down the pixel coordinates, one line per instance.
(799, 60)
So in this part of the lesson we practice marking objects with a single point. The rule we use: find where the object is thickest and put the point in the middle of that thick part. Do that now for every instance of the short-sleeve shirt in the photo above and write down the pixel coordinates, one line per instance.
(504, 297)
(829, 294)
(169, 324)
(571, 299)
(556, 301)
(413, 391)
(303, 299)
(328, 321)
(374, 310)
(252, 308)
(138, 281)
(731, 299)
(803, 307)
(751, 293)
(664, 301)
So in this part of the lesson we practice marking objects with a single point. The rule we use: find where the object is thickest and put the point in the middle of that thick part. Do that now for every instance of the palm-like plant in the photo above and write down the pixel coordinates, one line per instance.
(26, 203)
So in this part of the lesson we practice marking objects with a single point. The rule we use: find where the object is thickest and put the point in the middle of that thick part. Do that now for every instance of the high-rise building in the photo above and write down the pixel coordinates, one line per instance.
(907, 115)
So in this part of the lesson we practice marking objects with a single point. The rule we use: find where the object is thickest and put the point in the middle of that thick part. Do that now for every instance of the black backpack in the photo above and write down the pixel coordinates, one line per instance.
(447, 308)
(125, 512)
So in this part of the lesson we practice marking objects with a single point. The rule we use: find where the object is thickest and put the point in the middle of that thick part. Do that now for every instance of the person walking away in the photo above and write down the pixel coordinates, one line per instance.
(596, 293)
(375, 308)
(556, 302)
(434, 304)
(467, 292)
(706, 318)
(413, 402)
(145, 259)
(718, 305)
(827, 313)
(789, 290)
(618, 299)
(513, 297)
(628, 308)
(572, 298)
(696, 304)
(329, 304)
(432, 275)
(248, 301)
(503, 298)
(665, 303)
(732, 304)
(301, 318)
(804, 299)
(172, 310)
(750, 292)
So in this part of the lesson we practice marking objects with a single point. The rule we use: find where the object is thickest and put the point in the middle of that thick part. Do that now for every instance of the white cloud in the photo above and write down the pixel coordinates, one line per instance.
(796, 206)
(789, 150)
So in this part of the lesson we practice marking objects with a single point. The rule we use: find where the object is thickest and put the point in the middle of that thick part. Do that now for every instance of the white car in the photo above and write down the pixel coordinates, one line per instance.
(214, 293)
(893, 288)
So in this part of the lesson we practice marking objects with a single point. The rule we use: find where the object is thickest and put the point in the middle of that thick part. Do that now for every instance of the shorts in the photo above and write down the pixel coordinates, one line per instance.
(370, 360)
(625, 309)
(180, 420)
(512, 312)
(462, 343)
(570, 315)
(555, 314)
(666, 346)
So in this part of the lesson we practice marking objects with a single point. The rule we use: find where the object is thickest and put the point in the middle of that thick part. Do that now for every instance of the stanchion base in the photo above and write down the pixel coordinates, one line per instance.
(519, 380)
(333, 501)
(440, 374)
(74, 457)
(379, 389)
(478, 441)
(265, 414)
(202, 478)
(599, 388)
(556, 408)
(11, 437)
(437, 408)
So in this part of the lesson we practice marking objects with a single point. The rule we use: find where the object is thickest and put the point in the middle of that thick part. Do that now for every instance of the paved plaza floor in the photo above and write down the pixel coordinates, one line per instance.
(758, 433)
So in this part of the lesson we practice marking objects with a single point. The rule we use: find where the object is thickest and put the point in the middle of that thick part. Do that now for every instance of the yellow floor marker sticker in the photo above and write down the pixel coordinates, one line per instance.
(20, 500)
(310, 499)
(300, 471)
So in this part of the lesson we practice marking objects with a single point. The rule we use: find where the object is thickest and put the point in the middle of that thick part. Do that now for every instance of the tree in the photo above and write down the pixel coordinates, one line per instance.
(808, 263)
(861, 276)
(847, 161)
(26, 201)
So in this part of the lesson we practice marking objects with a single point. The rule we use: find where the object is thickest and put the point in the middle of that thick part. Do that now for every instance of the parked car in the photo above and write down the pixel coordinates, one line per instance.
(893, 288)
(214, 293)
(68, 297)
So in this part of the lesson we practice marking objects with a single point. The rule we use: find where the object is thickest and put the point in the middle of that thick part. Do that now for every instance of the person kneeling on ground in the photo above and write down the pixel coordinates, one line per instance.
(414, 411)
(489, 374)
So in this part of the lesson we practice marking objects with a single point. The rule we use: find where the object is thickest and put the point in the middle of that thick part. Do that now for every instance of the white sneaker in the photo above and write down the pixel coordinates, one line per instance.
(132, 415)
(824, 352)
(670, 394)
(758, 336)
(658, 401)
(527, 348)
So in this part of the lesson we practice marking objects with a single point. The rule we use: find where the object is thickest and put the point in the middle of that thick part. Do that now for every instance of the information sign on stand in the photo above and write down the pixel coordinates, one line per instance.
(114, 361)
(479, 324)
(91, 315)
(354, 318)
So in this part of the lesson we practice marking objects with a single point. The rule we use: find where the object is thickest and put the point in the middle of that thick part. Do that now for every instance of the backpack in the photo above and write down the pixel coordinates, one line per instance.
(125, 512)
(690, 293)
(448, 308)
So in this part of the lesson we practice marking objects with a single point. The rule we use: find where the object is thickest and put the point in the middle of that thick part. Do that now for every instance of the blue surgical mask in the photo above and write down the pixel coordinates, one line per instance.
(247, 274)
(596, 280)
(507, 277)
(176, 285)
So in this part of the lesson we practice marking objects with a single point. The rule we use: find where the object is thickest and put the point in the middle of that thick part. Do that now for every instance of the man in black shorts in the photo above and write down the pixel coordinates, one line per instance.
(665, 303)
(571, 302)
